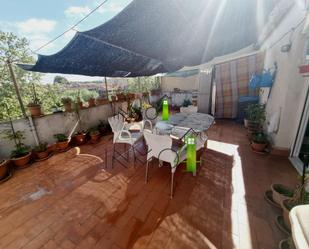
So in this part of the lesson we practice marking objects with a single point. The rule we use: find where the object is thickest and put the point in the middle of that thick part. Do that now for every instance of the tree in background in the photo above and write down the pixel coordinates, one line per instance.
(143, 84)
(16, 49)
(60, 80)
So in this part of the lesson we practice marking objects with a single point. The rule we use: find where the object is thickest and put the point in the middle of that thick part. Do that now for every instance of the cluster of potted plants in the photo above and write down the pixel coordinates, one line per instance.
(286, 198)
(254, 122)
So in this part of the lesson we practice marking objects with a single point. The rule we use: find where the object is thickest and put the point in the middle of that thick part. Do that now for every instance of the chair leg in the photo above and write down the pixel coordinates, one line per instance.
(113, 156)
(172, 185)
(146, 176)
(133, 155)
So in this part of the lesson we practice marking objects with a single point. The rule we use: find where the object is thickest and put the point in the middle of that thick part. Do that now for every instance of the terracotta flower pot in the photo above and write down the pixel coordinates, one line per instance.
(68, 107)
(21, 161)
(63, 145)
(51, 148)
(35, 110)
(80, 105)
(4, 169)
(120, 97)
(95, 136)
(91, 102)
(286, 211)
(260, 147)
(42, 154)
(80, 138)
(281, 192)
(102, 101)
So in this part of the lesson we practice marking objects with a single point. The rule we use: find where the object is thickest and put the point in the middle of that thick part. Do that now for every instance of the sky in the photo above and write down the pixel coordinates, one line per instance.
(40, 21)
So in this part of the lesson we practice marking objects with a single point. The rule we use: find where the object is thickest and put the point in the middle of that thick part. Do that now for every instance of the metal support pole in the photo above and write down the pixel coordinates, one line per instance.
(16, 89)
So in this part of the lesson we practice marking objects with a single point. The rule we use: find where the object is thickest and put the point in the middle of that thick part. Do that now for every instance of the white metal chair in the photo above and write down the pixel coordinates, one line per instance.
(123, 136)
(160, 147)
(189, 109)
(150, 114)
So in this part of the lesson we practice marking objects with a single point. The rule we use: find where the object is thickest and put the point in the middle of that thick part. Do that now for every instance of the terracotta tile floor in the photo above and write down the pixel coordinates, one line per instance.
(73, 201)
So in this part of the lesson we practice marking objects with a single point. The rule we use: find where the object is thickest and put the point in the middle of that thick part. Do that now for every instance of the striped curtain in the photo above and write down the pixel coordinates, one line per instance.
(232, 81)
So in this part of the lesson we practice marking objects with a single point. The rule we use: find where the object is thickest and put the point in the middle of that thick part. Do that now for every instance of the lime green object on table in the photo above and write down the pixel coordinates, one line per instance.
(191, 153)
(165, 110)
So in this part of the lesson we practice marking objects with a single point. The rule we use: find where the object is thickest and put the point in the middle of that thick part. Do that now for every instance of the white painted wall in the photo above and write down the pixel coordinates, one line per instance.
(52, 124)
(289, 89)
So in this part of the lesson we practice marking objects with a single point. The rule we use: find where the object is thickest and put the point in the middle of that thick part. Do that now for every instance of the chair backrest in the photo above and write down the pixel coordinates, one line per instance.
(159, 147)
(117, 125)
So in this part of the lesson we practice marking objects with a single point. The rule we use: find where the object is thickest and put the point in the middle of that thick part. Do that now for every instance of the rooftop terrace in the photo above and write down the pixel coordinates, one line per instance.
(73, 201)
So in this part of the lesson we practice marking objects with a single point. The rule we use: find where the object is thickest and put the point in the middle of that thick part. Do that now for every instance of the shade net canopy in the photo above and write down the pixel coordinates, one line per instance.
(150, 37)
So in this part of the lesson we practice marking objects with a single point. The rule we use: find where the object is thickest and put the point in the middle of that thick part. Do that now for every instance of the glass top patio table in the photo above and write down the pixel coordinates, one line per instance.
(180, 123)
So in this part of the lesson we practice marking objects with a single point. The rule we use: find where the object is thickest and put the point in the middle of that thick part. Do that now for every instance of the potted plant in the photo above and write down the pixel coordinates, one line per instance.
(94, 135)
(41, 151)
(79, 103)
(91, 96)
(67, 103)
(300, 197)
(186, 103)
(4, 168)
(103, 127)
(101, 101)
(21, 155)
(259, 141)
(62, 141)
(34, 108)
(281, 192)
(256, 116)
(80, 137)
(120, 96)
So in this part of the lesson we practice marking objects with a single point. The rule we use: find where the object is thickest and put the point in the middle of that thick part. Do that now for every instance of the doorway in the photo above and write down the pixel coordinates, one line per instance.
(301, 144)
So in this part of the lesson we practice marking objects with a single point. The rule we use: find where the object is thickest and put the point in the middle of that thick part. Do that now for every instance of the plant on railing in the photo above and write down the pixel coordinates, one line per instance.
(34, 106)
(67, 102)
(186, 103)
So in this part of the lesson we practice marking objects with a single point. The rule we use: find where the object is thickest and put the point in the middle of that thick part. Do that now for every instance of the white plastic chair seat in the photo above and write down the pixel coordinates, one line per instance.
(299, 217)
(123, 137)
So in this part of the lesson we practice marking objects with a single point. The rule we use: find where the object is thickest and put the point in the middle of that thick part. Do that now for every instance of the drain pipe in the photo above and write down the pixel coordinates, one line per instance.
(33, 130)
(73, 130)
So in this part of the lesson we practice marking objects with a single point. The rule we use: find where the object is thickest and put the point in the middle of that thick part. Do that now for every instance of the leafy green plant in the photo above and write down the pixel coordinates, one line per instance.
(17, 136)
(90, 95)
(40, 148)
(60, 137)
(20, 151)
(260, 138)
(66, 100)
(94, 130)
(256, 113)
(300, 196)
(186, 103)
